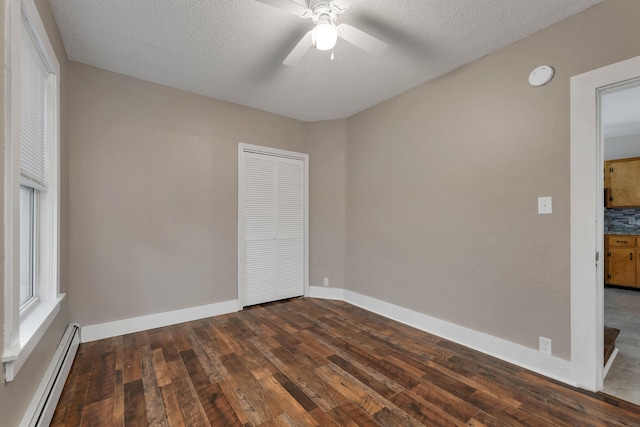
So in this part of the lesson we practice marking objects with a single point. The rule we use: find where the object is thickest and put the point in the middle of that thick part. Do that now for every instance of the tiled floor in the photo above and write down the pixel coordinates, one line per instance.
(622, 311)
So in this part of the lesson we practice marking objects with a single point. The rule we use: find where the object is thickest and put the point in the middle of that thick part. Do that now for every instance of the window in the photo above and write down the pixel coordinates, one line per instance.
(31, 186)
(28, 288)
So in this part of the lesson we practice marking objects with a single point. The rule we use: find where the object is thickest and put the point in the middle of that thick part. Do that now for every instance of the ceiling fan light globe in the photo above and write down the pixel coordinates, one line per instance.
(324, 36)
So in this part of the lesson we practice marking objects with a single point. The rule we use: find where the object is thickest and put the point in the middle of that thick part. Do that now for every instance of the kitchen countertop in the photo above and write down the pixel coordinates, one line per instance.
(624, 232)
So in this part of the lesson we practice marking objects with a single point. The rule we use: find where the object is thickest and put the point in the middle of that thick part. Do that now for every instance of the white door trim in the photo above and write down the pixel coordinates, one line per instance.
(249, 148)
(587, 153)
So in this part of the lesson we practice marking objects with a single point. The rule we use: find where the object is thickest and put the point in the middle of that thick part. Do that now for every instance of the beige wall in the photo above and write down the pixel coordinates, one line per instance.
(153, 182)
(442, 185)
(16, 395)
(327, 202)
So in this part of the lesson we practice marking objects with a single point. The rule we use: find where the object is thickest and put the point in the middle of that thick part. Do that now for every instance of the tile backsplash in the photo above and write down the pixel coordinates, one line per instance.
(622, 220)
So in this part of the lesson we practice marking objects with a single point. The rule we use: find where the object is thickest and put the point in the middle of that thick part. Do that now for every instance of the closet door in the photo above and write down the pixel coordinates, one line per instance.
(272, 217)
(289, 227)
(258, 219)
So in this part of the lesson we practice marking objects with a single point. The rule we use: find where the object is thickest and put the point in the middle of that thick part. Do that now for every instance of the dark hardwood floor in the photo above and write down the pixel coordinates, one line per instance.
(313, 362)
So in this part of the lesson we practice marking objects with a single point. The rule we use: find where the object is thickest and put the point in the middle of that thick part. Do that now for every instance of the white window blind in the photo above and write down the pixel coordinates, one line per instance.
(33, 112)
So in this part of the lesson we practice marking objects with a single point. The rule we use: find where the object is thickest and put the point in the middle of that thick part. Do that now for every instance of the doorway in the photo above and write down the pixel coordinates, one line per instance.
(272, 224)
(587, 212)
(620, 117)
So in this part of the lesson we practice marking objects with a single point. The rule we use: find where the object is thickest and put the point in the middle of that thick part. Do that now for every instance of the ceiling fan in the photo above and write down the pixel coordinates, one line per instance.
(324, 35)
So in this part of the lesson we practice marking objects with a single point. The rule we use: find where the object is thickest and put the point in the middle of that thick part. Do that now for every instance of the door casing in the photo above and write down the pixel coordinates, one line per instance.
(587, 214)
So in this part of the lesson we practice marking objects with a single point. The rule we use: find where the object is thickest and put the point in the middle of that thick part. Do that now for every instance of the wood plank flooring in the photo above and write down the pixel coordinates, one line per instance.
(310, 362)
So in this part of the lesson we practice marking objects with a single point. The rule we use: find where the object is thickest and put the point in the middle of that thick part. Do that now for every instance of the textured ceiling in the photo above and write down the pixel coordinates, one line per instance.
(233, 49)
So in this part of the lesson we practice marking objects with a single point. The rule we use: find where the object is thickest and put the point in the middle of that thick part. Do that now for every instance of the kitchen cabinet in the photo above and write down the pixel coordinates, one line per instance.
(621, 266)
(638, 265)
(621, 182)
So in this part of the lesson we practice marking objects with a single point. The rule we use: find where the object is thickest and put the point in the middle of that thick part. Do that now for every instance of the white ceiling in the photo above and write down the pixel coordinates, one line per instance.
(233, 49)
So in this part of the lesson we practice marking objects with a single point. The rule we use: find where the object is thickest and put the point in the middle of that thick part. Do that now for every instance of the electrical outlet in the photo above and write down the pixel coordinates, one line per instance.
(326, 281)
(545, 345)
(632, 220)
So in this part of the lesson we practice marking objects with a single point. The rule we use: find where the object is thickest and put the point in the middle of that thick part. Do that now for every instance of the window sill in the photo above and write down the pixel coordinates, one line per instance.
(32, 329)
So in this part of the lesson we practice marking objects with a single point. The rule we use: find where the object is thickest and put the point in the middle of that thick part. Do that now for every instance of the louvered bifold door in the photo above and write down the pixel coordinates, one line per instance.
(258, 222)
(289, 280)
(273, 224)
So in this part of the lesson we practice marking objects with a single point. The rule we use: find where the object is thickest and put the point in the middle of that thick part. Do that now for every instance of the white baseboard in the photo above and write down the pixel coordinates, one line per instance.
(605, 371)
(517, 354)
(151, 321)
(326, 293)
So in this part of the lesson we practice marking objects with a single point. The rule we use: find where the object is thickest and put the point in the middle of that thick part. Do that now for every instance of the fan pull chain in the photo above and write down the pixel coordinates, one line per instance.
(332, 54)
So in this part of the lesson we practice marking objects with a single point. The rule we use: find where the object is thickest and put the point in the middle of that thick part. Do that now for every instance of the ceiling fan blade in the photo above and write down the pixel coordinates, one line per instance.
(342, 4)
(361, 39)
(299, 51)
(298, 8)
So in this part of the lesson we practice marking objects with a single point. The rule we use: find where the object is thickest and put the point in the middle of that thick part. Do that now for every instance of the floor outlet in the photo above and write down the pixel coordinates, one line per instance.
(545, 345)
(326, 281)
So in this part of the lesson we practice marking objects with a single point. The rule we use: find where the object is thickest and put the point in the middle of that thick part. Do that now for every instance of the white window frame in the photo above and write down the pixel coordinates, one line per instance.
(22, 333)
(28, 306)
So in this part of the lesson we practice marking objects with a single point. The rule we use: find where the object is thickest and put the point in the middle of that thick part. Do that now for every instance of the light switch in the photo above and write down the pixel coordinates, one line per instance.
(544, 205)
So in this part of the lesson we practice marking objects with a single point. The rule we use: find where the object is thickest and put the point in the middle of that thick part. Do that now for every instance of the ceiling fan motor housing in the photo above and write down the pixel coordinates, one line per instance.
(324, 35)
(324, 12)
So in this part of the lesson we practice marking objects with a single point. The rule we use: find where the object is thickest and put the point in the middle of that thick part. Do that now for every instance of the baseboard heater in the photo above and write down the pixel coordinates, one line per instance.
(43, 405)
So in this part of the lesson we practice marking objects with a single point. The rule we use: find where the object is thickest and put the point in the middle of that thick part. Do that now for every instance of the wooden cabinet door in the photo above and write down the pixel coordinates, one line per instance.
(624, 180)
(637, 268)
(607, 184)
(622, 266)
